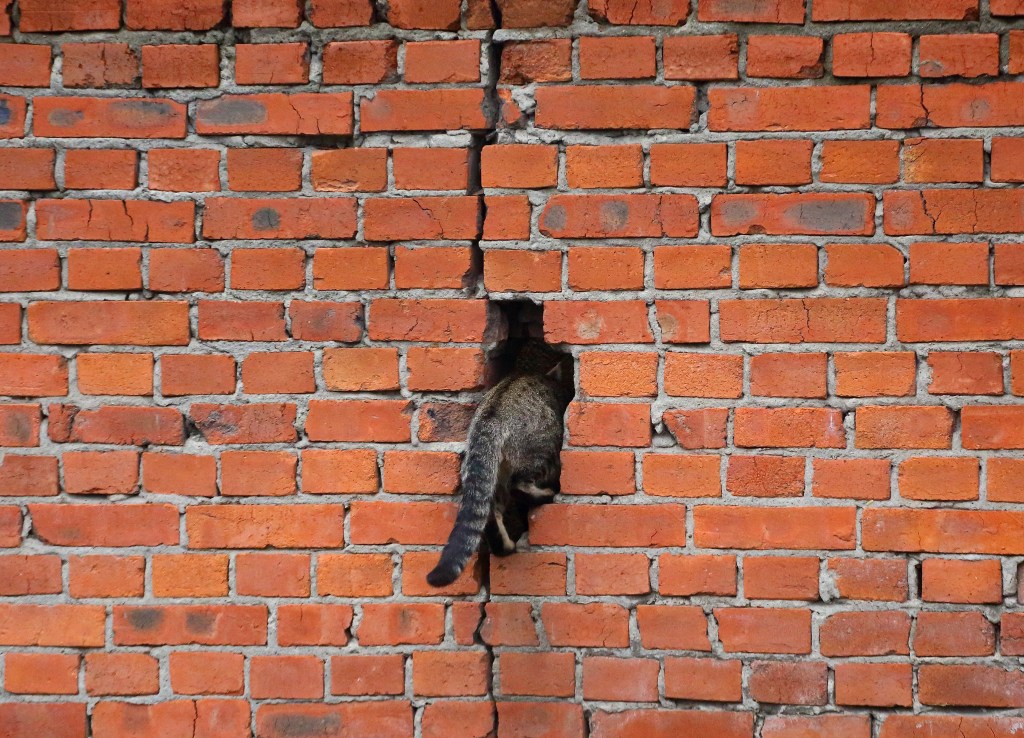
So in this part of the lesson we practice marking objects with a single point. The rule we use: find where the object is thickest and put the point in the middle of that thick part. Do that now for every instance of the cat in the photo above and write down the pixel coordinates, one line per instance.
(512, 454)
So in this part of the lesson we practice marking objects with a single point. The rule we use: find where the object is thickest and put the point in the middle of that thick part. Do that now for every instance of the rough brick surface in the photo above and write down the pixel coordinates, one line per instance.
(250, 283)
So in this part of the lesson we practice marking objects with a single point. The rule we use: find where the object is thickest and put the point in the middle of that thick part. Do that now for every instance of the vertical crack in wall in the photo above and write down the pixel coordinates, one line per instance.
(491, 105)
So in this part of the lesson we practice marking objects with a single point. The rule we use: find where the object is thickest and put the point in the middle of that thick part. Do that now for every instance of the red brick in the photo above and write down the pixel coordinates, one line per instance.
(27, 169)
(438, 109)
(542, 718)
(272, 575)
(605, 268)
(206, 672)
(840, 214)
(536, 61)
(817, 726)
(179, 170)
(780, 577)
(688, 575)
(277, 113)
(943, 160)
(703, 679)
(340, 13)
(870, 162)
(792, 57)
(251, 473)
(617, 58)
(350, 471)
(106, 576)
(265, 13)
(54, 720)
(1006, 157)
(790, 108)
(98, 65)
(85, 117)
(954, 634)
(271, 64)
(529, 574)
(612, 574)
(393, 623)
(778, 265)
(430, 169)
(380, 421)
(963, 684)
(952, 55)
(875, 373)
(288, 677)
(277, 721)
(601, 625)
(614, 107)
(70, 626)
(434, 62)
(590, 167)
(701, 57)
(1004, 480)
(692, 267)
(105, 269)
(596, 322)
(354, 575)
(359, 674)
(192, 15)
(33, 375)
(789, 683)
(180, 65)
(121, 674)
(907, 426)
(976, 582)
(41, 673)
(868, 10)
(360, 62)
(28, 476)
(101, 472)
(877, 685)
(673, 627)
(765, 476)
(883, 54)
(228, 218)
(859, 479)
(942, 531)
(764, 630)
(779, 527)
(867, 633)
(52, 15)
(609, 424)
(537, 674)
(427, 218)
(264, 526)
(608, 525)
(837, 320)
(115, 220)
(623, 12)
(450, 673)
(945, 106)
(616, 679)
(420, 523)
(778, 162)
(26, 574)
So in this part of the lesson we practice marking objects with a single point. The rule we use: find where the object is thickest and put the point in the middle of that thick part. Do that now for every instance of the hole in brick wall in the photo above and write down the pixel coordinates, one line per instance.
(523, 349)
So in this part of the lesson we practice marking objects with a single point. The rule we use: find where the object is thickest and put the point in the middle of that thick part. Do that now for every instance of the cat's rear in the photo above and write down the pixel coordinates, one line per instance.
(514, 443)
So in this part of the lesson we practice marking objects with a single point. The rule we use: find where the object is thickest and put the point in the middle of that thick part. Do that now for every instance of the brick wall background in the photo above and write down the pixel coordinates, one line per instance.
(253, 259)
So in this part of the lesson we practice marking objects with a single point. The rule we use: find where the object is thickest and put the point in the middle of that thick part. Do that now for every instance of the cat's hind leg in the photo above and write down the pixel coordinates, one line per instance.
(506, 543)
(531, 490)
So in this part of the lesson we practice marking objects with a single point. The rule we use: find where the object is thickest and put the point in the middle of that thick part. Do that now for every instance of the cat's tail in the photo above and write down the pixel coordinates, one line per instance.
(479, 481)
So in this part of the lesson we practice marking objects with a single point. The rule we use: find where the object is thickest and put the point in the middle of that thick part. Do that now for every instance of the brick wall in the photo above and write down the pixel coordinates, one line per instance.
(251, 269)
